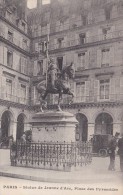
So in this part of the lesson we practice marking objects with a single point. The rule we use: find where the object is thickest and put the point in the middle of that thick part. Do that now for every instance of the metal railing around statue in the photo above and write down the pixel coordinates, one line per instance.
(51, 155)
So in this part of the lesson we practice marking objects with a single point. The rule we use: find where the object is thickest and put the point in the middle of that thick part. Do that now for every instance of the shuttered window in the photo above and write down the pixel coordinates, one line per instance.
(80, 92)
(105, 57)
(104, 89)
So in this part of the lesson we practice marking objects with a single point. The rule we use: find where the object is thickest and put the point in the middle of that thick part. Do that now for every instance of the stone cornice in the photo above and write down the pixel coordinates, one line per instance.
(15, 46)
(88, 105)
(15, 27)
(86, 45)
(9, 104)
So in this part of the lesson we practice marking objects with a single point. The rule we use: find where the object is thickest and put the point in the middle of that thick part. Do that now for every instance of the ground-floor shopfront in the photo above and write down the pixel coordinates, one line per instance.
(97, 119)
(13, 122)
(92, 119)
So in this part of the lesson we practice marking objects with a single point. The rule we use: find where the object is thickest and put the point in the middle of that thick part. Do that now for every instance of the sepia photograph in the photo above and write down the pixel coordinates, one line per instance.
(61, 97)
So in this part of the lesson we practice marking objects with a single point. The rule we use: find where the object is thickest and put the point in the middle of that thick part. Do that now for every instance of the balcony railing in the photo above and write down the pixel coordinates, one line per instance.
(12, 98)
(82, 99)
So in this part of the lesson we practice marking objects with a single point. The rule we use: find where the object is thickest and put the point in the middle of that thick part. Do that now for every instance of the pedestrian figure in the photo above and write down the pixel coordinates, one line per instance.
(23, 142)
(120, 151)
(23, 138)
(111, 151)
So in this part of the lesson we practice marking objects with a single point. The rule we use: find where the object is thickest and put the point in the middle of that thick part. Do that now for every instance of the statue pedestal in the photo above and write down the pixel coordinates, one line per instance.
(53, 126)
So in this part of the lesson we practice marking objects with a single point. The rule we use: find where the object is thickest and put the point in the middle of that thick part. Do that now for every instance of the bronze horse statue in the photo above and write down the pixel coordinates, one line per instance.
(60, 85)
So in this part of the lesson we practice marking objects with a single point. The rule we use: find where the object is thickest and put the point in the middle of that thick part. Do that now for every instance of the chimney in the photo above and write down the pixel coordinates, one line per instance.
(39, 3)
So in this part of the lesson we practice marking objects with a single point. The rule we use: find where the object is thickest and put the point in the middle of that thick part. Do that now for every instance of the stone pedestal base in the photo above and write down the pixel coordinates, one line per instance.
(53, 126)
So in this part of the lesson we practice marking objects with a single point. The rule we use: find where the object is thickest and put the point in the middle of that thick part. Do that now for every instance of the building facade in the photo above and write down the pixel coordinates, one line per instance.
(86, 32)
(15, 69)
(90, 34)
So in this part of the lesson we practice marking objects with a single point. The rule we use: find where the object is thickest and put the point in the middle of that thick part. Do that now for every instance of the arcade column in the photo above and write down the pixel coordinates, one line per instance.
(90, 130)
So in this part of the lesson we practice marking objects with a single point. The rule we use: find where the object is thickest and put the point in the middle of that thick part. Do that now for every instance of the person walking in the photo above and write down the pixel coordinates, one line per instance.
(120, 151)
(111, 151)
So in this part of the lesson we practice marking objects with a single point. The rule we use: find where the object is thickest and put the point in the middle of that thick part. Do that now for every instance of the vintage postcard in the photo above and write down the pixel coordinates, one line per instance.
(61, 97)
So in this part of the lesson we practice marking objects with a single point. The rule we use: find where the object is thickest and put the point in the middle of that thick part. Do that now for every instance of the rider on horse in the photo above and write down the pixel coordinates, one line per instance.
(52, 73)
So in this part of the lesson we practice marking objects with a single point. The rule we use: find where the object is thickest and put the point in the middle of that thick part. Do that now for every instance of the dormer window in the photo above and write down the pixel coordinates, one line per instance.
(10, 36)
(106, 32)
(60, 42)
(82, 38)
(105, 58)
(23, 26)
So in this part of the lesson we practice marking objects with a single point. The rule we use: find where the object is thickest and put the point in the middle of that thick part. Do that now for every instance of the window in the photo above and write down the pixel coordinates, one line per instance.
(24, 44)
(17, 22)
(106, 32)
(82, 38)
(104, 89)
(60, 63)
(8, 15)
(108, 13)
(10, 36)
(84, 20)
(23, 26)
(23, 65)
(8, 88)
(40, 67)
(80, 92)
(23, 93)
(105, 58)
(60, 42)
(9, 58)
(81, 61)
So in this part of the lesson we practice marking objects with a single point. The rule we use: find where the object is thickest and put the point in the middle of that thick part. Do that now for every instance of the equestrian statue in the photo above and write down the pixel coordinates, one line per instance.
(57, 82)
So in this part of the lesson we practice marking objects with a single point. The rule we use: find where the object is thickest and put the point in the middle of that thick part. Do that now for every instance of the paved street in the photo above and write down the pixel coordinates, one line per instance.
(95, 176)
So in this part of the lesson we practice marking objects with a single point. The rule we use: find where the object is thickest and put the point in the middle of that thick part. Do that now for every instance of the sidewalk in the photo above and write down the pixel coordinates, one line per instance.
(94, 173)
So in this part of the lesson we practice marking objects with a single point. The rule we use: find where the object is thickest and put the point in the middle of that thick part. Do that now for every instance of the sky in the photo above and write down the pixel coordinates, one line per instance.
(33, 3)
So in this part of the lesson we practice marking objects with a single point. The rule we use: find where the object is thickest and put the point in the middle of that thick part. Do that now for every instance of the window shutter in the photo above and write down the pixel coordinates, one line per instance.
(87, 90)
(35, 68)
(87, 56)
(88, 37)
(112, 89)
(112, 56)
(55, 44)
(6, 32)
(76, 39)
(76, 61)
(65, 42)
(27, 94)
(112, 31)
(100, 34)
(121, 88)
(16, 61)
(3, 87)
(36, 47)
(14, 91)
(64, 60)
(99, 57)
(21, 42)
(5, 56)
(1, 54)
(2, 30)
(19, 92)
(96, 90)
